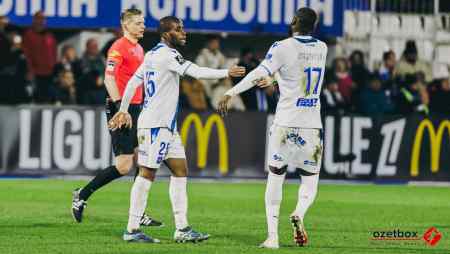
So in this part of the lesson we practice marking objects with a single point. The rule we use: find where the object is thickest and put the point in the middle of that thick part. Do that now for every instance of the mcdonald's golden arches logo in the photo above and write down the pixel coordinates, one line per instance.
(435, 144)
(203, 133)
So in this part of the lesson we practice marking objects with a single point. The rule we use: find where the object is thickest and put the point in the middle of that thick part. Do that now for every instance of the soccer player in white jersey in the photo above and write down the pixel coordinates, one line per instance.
(296, 134)
(158, 137)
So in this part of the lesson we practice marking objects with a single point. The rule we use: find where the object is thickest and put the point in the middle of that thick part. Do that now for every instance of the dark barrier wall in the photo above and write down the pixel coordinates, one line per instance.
(413, 148)
(74, 140)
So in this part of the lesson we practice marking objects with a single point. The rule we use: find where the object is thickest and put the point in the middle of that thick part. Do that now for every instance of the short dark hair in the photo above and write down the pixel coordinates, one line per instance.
(307, 18)
(128, 13)
(165, 24)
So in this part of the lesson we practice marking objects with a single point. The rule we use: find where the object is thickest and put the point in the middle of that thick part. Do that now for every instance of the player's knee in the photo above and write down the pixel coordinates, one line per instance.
(278, 171)
(124, 165)
(180, 173)
(147, 173)
(178, 167)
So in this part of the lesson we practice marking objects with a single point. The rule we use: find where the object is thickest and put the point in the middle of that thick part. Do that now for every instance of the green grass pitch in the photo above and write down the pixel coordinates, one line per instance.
(35, 218)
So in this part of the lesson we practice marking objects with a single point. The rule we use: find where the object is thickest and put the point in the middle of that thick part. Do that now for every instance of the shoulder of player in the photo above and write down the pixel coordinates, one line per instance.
(116, 48)
(322, 44)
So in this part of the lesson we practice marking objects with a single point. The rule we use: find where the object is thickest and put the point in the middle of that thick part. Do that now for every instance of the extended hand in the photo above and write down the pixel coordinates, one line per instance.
(262, 83)
(120, 119)
(223, 105)
(236, 71)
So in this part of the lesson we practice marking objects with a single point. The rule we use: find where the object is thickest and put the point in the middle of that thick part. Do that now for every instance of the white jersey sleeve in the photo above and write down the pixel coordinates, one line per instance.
(177, 63)
(274, 59)
(130, 89)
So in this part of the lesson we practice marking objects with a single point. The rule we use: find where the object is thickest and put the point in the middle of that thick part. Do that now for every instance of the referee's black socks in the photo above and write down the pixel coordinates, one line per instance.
(102, 178)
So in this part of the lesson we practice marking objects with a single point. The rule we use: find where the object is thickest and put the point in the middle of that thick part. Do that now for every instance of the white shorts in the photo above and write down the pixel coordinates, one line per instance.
(158, 144)
(297, 147)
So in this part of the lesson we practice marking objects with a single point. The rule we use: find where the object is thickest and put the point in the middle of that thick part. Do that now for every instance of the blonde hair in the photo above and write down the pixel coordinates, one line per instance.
(128, 14)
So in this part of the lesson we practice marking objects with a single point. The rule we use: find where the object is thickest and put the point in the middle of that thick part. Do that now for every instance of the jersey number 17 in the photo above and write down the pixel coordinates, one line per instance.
(309, 73)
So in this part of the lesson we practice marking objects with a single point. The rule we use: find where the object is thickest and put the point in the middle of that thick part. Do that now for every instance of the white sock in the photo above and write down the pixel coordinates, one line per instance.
(306, 194)
(273, 197)
(178, 198)
(138, 202)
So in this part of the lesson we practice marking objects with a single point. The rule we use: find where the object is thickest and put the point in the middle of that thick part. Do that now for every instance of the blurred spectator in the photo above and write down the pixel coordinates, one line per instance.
(64, 91)
(331, 99)
(387, 69)
(373, 99)
(15, 87)
(254, 99)
(193, 95)
(117, 35)
(440, 97)
(412, 97)
(390, 82)
(69, 61)
(5, 59)
(410, 64)
(358, 69)
(344, 80)
(5, 44)
(39, 46)
(92, 59)
(211, 57)
(91, 88)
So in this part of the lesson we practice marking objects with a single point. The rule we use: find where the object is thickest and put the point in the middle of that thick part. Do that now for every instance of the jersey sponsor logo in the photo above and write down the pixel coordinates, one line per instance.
(203, 132)
(277, 157)
(296, 139)
(308, 103)
(180, 59)
(435, 144)
(310, 163)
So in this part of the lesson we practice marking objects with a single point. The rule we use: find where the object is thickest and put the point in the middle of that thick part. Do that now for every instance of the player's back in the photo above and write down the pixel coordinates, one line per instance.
(301, 67)
(161, 73)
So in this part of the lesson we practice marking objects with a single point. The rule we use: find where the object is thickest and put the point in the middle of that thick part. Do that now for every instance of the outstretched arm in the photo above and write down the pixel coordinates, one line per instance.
(249, 81)
(198, 72)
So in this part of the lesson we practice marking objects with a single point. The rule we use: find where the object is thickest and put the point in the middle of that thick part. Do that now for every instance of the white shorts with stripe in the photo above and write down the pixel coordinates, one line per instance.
(297, 147)
(156, 145)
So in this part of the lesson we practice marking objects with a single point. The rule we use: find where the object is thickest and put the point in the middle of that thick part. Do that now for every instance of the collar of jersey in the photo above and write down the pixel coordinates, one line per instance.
(305, 38)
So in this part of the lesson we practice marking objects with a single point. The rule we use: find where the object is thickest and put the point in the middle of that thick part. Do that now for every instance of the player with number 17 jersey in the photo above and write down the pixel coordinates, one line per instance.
(295, 138)
(300, 61)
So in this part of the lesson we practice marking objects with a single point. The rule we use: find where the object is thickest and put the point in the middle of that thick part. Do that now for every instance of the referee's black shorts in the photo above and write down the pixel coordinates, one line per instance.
(124, 140)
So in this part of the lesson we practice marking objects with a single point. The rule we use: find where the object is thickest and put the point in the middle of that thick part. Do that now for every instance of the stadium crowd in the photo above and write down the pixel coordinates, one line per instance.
(30, 72)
